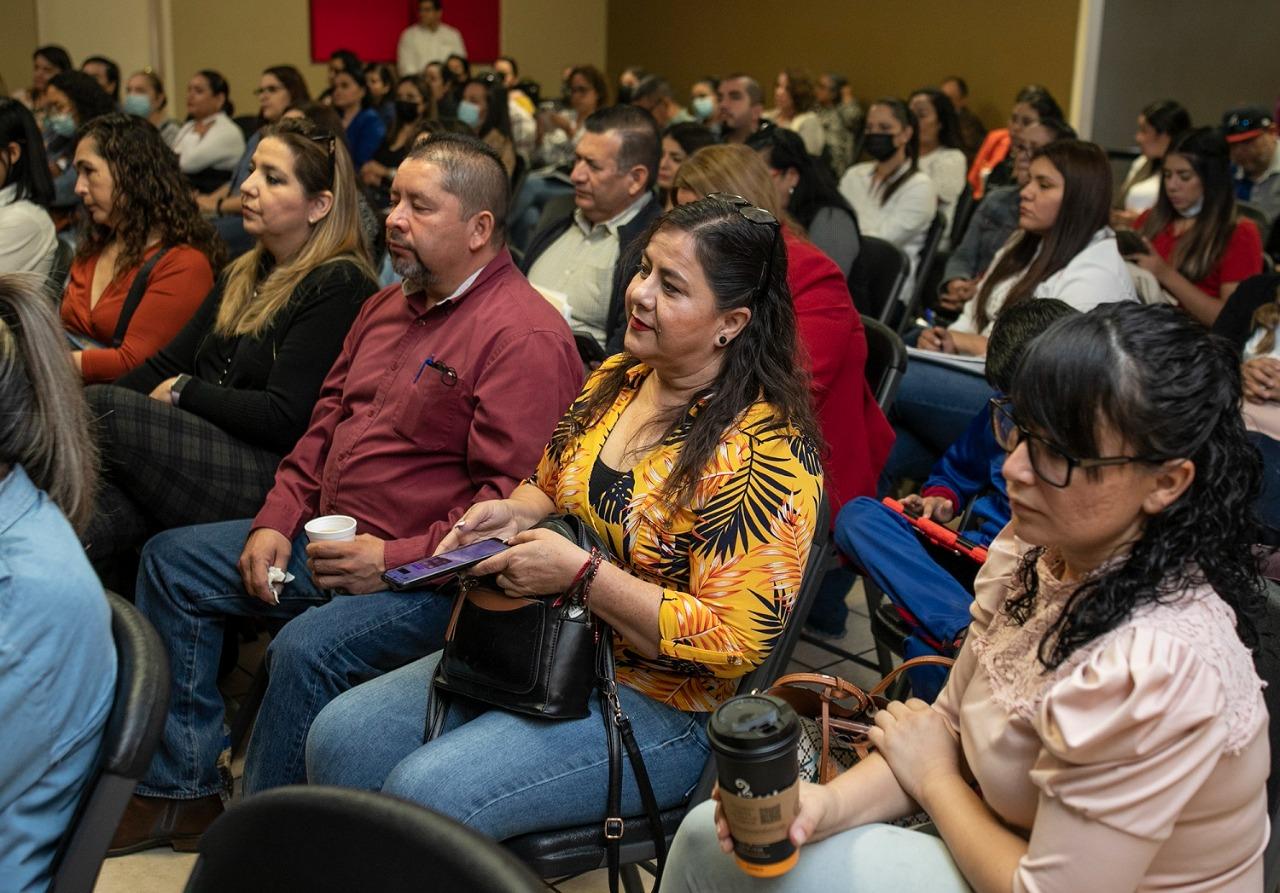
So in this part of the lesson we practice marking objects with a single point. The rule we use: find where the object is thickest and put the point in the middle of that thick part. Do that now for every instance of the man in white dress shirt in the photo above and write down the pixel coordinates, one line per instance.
(428, 41)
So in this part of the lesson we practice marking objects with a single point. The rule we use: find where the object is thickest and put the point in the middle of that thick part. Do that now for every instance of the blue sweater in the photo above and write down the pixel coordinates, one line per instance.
(971, 466)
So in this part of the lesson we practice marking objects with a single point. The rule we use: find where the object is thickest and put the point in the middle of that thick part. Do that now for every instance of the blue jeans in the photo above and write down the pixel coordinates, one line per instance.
(501, 773)
(188, 585)
(934, 406)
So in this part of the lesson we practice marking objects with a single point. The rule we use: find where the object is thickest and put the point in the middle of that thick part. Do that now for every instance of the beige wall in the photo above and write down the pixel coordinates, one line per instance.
(884, 48)
(546, 36)
(119, 29)
(17, 40)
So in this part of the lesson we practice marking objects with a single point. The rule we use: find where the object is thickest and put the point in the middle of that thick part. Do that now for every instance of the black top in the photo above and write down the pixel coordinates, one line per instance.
(262, 388)
(609, 491)
(1235, 321)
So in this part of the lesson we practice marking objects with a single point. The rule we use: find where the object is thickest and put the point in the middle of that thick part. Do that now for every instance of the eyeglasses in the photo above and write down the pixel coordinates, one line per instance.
(1051, 464)
(762, 217)
(330, 142)
(274, 88)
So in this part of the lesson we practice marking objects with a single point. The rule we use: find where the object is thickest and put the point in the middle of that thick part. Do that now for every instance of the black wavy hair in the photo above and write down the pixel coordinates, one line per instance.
(759, 364)
(218, 86)
(784, 150)
(1169, 389)
(31, 171)
(945, 110)
(85, 93)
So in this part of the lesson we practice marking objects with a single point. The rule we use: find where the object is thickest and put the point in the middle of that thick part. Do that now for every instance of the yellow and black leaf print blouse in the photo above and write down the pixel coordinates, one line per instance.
(729, 564)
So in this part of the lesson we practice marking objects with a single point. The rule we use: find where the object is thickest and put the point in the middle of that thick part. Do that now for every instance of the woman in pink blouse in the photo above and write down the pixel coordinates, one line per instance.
(1103, 728)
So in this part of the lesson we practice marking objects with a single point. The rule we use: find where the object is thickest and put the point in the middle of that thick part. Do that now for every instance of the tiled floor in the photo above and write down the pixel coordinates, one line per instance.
(164, 871)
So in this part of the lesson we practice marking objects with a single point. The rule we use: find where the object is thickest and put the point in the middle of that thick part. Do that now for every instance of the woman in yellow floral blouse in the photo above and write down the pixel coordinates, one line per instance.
(693, 454)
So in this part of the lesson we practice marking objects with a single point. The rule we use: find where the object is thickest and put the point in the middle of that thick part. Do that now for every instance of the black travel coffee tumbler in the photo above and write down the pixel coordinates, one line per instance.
(754, 738)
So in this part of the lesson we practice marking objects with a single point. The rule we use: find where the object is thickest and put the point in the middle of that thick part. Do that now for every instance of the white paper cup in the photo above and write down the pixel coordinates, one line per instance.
(331, 528)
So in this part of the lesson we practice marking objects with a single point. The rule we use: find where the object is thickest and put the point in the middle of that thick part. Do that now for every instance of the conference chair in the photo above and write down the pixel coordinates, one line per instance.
(568, 852)
(879, 276)
(886, 361)
(928, 276)
(965, 206)
(321, 839)
(128, 741)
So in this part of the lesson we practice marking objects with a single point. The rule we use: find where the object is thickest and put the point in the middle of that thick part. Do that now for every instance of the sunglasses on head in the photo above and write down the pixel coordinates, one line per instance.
(763, 218)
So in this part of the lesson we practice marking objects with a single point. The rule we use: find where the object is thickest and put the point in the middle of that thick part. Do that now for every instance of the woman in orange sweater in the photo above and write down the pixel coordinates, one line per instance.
(141, 216)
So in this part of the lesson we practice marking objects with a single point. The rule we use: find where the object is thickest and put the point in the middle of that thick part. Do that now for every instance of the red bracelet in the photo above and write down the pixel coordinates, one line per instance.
(593, 564)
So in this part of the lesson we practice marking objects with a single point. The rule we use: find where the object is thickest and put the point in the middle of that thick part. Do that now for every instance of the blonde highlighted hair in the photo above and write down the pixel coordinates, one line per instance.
(1267, 317)
(734, 169)
(44, 423)
(321, 164)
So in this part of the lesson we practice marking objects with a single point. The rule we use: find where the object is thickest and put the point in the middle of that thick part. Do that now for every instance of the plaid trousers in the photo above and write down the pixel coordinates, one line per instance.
(165, 467)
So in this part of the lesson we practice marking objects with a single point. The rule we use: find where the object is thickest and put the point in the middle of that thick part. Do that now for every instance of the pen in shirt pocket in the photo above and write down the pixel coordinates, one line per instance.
(448, 374)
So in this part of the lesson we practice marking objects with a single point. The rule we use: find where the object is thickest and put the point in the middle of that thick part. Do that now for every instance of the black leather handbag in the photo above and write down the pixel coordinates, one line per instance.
(529, 655)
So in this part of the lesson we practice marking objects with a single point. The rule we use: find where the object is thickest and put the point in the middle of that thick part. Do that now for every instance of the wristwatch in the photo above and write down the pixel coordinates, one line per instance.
(175, 390)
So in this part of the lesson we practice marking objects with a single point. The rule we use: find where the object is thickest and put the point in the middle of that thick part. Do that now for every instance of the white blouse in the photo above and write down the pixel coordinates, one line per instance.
(947, 169)
(220, 147)
(27, 236)
(1140, 194)
(904, 219)
(1097, 275)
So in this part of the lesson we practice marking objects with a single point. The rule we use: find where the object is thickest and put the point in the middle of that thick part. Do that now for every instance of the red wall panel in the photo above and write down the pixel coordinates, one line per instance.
(371, 28)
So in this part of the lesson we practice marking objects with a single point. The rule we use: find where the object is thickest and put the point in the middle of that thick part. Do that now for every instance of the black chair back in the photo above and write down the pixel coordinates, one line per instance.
(965, 206)
(574, 851)
(928, 275)
(879, 275)
(321, 839)
(128, 741)
(886, 361)
(59, 269)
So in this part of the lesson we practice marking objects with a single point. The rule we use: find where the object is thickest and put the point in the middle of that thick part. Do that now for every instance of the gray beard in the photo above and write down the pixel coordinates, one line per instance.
(413, 272)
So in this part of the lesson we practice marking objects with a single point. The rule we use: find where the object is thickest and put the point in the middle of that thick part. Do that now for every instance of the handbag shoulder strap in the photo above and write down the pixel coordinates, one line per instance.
(134, 297)
(924, 660)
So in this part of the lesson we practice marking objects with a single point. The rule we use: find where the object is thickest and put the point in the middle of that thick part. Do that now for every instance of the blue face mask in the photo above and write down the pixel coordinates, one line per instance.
(702, 107)
(138, 104)
(61, 125)
(469, 113)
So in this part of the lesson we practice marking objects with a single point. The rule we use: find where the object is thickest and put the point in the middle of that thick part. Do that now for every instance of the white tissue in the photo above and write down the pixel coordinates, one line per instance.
(276, 579)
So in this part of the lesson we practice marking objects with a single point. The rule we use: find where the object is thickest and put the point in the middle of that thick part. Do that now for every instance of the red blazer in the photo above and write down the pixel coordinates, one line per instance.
(835, 346)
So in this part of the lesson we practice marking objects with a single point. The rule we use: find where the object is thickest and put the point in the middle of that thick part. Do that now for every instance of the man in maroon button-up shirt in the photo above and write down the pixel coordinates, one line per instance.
(446, 391)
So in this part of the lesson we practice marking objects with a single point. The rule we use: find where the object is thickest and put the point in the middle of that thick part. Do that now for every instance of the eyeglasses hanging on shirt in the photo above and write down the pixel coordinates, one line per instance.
(448, 374)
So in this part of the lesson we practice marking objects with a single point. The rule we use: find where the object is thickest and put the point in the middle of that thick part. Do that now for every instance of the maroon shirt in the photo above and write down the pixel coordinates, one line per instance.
(404, 452)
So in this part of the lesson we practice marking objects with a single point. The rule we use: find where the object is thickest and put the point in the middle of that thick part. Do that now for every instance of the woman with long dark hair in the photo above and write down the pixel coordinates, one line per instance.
(414, 104)
(941, 157)
(892, 198)
(365, 130)
(1103, 727)
(1200, 248)
(71, 100)
(57, 661)
(1160, 124)
(138, 208)
(210, 143)
(702, 423)
(483, 108)
(1062, 249)
(46, 62)
(679, 141)
(806, 188)
(794, 104)
(27, 236)
(994, 163)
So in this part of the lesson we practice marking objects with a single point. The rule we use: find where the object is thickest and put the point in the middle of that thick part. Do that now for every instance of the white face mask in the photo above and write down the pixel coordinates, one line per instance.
(1194, 210)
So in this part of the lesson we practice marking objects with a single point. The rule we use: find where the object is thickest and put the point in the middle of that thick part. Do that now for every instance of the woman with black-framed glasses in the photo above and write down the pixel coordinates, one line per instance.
(1103, 728)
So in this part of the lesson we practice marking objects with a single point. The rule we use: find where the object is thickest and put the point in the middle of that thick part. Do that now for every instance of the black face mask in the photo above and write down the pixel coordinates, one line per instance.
(879, 145)
(406, 111)
(624, 94)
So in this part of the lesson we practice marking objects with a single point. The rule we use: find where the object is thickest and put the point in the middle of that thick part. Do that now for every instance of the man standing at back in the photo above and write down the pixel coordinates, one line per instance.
(446, 391)
(428, 41)
(580, 255)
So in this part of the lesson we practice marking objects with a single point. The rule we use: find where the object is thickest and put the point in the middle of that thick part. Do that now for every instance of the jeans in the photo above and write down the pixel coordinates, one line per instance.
(501, 773)
(188, 584)
(934, 406)
(869, 859)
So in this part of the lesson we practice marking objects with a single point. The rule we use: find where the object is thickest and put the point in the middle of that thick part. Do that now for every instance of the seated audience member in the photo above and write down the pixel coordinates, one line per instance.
(655, 96)
(702, 100)
(740, 108)
(27, 238)
(793, 108)
(805, 188)
(1063, 249)
(581, 255)
(46, 62)
(941, 158)
(444, 391)
(483, 108)
(459, 66)
(992, 167)
(840, 122)
(106, 73)
(280, 89)
(707, 386)
(210, 143)
(429, 40)
(138, 209)
(679, 141)
(1159, 125)
(833, 343)
(413, 105)
(995, 219)
(144, 96)
(381, 84)
(1255, 151)
(71, 100)
(891, 197)
(1200, 248)
(972, 131)
(365, 130)
(524, 129)
(339, 61)
(884, 546)
(238, 383)
(57, 658)
(1104, 726)
(630, 78)
(433, 75)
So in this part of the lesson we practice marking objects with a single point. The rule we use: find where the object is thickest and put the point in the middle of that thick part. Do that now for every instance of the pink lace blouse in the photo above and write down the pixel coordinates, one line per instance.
(1139, 764)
